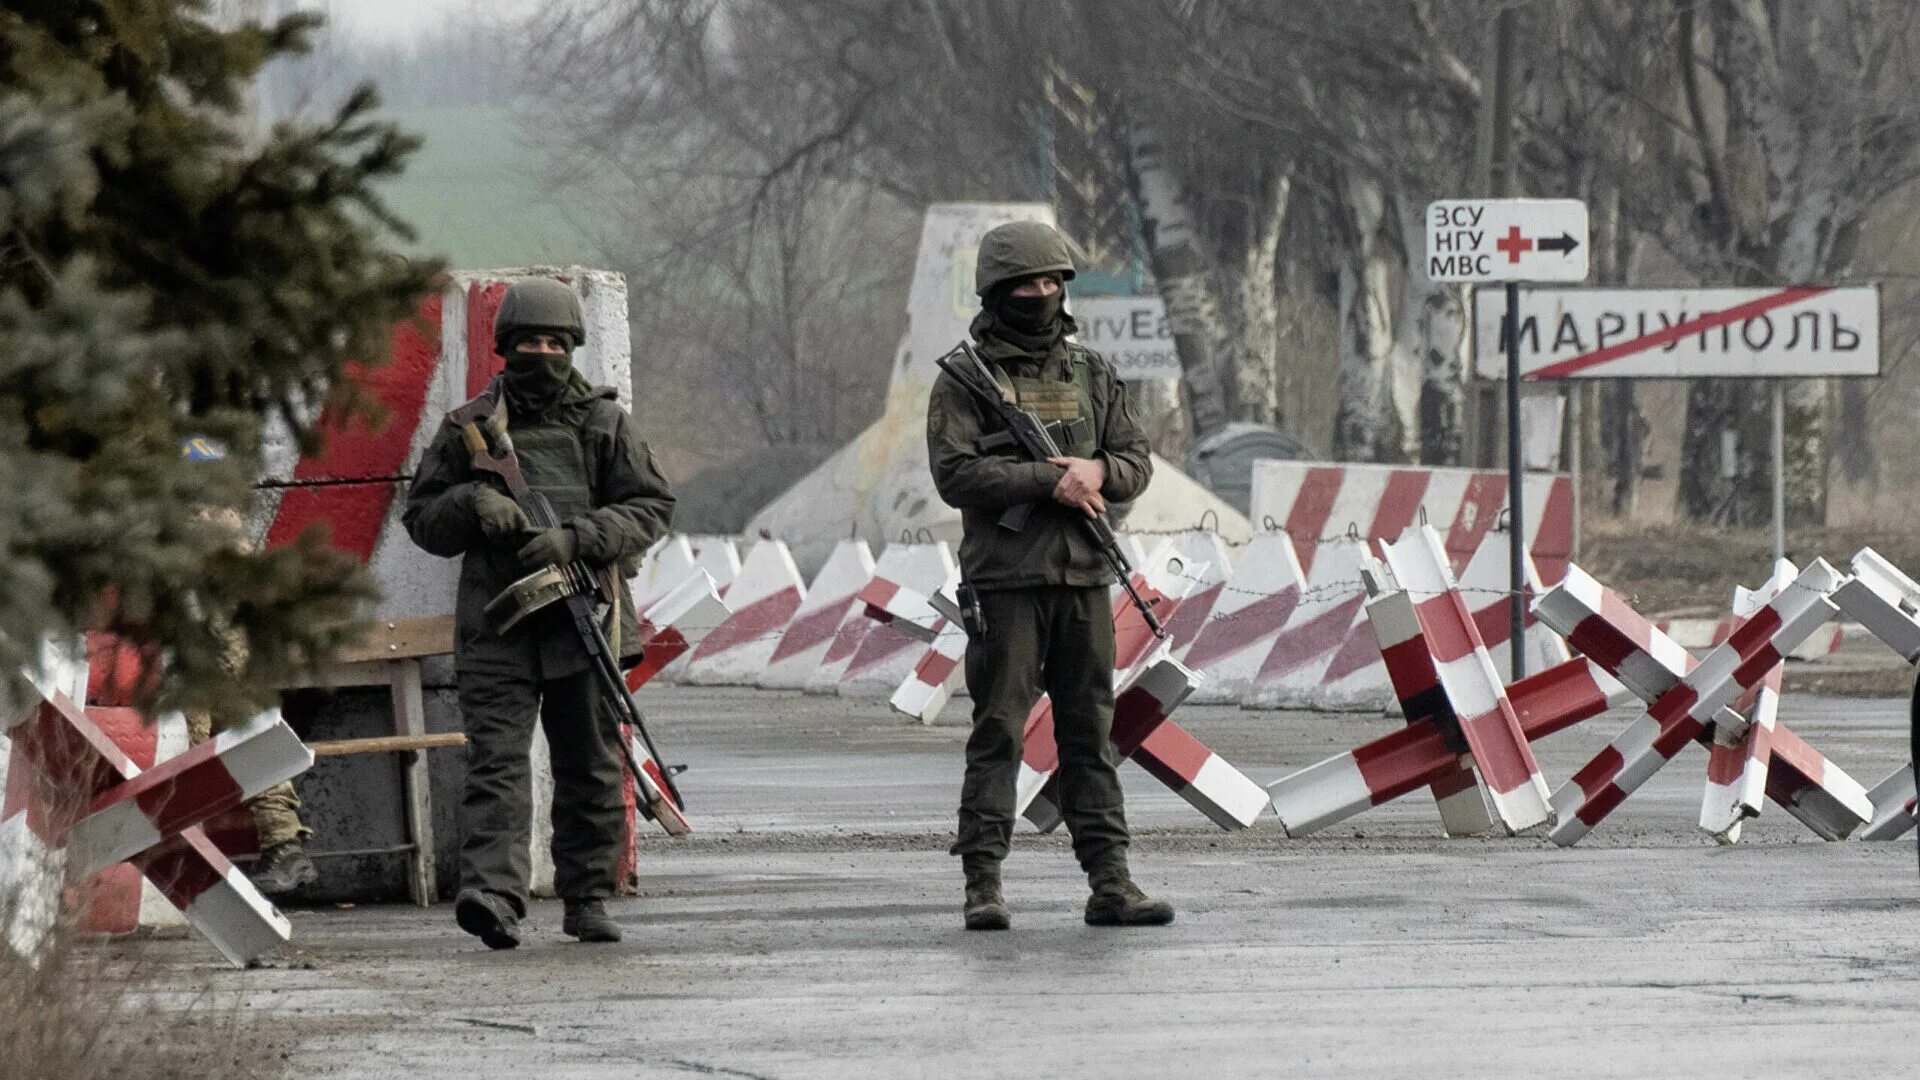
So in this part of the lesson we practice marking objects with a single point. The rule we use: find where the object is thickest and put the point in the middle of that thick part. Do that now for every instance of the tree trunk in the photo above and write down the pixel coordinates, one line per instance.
(1180, 270)
(1373, 416)
(1248, 348)
(1434, 334)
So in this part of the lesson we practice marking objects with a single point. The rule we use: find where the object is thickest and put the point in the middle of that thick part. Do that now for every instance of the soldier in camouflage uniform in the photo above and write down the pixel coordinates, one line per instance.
(283, 867)
(578, 447)
(1043, 589)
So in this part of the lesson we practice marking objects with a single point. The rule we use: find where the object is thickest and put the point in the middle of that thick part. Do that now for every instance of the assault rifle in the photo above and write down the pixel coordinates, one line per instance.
(1032, 437)
(483, 426)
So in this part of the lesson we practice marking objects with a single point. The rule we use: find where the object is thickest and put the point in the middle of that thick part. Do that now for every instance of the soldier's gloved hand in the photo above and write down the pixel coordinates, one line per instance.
(1080, 485)
(499, 515)
(553, 547)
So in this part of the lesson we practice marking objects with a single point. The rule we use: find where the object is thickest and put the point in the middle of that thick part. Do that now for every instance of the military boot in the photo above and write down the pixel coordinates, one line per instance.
(284, 868)
(488, 918)
(1117, 901)
(588, 920)
(986, 909)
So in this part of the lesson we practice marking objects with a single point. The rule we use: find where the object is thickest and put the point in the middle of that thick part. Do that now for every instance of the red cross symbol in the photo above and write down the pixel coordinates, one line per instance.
(1513, 244)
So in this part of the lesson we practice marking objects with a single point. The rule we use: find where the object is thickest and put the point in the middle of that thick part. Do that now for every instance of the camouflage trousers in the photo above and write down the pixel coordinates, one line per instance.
(276, 811)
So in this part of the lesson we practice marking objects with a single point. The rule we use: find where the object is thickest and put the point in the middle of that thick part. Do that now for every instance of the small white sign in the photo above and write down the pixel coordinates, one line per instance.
(1799, 332)
(1132, 332)
(1507, 240)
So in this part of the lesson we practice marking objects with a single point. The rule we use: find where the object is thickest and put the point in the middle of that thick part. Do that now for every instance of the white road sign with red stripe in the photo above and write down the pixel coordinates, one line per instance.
(1484, 240)
(1804, 331)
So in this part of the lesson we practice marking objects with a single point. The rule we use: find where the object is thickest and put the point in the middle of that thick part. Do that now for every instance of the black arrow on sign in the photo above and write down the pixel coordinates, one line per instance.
(1565, 244)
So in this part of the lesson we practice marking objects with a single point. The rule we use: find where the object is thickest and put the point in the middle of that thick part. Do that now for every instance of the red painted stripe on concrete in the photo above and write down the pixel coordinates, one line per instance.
(483, 302)
(1552, 544)
(1312, 506)
(358, 449)
(1399, 503)
(809, 630)
(1235, 631)
(751, 623)
(1190, 618)
(1295, 648)
(1478, 513)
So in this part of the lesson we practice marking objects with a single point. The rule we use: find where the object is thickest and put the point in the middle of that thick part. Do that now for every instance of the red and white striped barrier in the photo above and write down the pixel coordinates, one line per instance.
(719, 557)
(1694, 634)
(763, 599)
(1209, 562)
(1148, 685)
(828, 606)
(1487, 722)
(1255, 603)
(1686, 699)
(1144, 734)
(1313, 502)
(931, 620)
(1420, 755)
(1884, 601)
(1738, 757)
(1485, 586)
(667, 563)
(139, 814)
(1330, 612)
(676, 625)
(886, 655)
(1894, 802)
(59, 742)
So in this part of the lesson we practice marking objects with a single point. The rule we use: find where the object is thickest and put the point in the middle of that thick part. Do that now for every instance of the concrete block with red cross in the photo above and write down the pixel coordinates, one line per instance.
(115, 808)
(1686, 699)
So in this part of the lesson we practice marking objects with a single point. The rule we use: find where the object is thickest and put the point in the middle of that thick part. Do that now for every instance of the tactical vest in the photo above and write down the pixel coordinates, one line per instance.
(555, 465)
(1062, 395)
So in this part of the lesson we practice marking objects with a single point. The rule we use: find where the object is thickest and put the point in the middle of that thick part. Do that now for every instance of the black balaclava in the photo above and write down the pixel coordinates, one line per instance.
(1032, 324)
(535, 381)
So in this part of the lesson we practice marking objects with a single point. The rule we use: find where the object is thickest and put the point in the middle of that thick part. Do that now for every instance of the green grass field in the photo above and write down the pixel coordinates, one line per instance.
(474, 193)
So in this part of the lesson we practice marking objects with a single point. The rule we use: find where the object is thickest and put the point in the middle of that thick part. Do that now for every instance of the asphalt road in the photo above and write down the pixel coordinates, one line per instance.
(811, 929)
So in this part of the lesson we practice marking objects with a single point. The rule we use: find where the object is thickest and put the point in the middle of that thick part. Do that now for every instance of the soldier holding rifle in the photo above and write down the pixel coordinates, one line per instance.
(588, 472)
(1035, 576)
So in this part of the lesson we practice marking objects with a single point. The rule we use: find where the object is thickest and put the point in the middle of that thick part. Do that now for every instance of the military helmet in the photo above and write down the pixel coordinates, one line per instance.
(543, 305)
(1020, 249)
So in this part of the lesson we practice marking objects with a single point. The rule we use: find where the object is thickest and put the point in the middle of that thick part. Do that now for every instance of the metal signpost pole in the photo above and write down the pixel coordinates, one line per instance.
(1779, 469)
(1516, 517)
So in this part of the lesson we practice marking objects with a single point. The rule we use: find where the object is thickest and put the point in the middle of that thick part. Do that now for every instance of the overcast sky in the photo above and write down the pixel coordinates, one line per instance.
(404, 18)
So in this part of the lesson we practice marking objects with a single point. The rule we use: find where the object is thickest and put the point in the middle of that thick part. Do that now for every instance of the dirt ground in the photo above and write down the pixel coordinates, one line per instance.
(810, 928)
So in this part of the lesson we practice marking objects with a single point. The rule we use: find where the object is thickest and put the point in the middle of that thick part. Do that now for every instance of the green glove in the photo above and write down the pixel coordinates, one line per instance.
(499, 515)
(554, 547)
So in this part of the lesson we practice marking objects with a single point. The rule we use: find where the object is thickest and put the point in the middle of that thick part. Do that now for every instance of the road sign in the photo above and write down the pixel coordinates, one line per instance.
(1132, 332)
(1797, 332)
(1484, 240)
